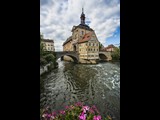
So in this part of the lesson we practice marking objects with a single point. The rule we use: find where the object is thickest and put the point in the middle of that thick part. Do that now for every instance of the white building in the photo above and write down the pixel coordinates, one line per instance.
(48, 45)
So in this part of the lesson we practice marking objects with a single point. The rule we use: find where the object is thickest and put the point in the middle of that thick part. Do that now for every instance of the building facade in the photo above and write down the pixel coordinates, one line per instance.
(109, 48)
(84, 41)
(48, 45)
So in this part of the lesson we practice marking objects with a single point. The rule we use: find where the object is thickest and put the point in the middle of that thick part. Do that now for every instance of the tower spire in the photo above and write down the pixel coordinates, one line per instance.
(82, 17)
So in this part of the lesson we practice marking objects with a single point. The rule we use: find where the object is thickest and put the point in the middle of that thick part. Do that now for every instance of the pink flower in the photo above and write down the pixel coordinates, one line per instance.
(82, 116)
(91, 111)
(52, 117)
(54, 113)
(62, 112)
(78, 104)
(85, 108)
(71, 106)
(49, 115)
(44, 115)
(97, 117)
(67, 107)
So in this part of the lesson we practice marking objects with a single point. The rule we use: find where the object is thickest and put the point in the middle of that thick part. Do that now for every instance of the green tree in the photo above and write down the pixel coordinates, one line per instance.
(41, 45)
(50, 58)
(43, 62)
(116, 54)
(100, 46)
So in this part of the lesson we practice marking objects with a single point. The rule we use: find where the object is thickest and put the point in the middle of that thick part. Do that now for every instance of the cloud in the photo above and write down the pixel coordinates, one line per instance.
(57, 17)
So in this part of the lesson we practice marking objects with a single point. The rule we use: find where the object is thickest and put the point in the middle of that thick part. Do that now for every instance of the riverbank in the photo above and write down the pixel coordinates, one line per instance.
(47, 68)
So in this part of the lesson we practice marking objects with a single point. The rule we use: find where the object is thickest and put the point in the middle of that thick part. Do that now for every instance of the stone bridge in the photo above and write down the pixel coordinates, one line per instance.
(104, 55)
(72, 54)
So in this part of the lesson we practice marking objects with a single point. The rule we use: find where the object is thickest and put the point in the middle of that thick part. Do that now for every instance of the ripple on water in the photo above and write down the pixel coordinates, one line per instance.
(93, 84)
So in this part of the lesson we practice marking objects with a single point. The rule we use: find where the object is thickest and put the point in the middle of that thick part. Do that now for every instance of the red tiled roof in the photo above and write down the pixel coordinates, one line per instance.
(110, 46)
(86, 37)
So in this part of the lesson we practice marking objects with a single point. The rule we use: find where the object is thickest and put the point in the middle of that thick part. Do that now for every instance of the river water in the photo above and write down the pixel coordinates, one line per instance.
(92, 84)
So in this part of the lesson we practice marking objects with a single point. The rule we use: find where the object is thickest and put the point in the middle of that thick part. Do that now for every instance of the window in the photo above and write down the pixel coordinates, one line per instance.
(89, 44)
(48, 44)
(93, 44)
(79, 49)
(86, 44)
(82, 32)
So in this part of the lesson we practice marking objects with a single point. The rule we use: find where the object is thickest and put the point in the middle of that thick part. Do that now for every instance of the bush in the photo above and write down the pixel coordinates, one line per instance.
(47, 52)
(43, 61)
(50, 58)
(116, 54)
(73, 112)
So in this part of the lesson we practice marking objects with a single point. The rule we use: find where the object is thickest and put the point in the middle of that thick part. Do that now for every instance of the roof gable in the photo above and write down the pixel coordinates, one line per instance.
(86, 37)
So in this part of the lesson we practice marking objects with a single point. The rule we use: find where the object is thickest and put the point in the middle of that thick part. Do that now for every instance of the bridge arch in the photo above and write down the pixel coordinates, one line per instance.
(102, 56)
(71, 54)
(74, 58)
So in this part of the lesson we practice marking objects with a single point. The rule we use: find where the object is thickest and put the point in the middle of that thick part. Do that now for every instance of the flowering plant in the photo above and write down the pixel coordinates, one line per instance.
(73, 112)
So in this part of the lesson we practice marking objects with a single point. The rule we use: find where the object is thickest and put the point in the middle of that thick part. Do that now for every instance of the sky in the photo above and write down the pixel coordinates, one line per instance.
(57, 17)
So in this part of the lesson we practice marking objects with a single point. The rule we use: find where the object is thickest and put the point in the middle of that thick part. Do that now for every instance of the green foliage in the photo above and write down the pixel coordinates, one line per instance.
(100, 46)
(108, 118)
(43, 61)
(47, 52)
(41, 45)
(50, 58)
(116, 54)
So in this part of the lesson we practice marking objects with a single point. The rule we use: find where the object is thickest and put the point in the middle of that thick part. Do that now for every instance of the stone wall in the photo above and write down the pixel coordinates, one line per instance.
(88, 61)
